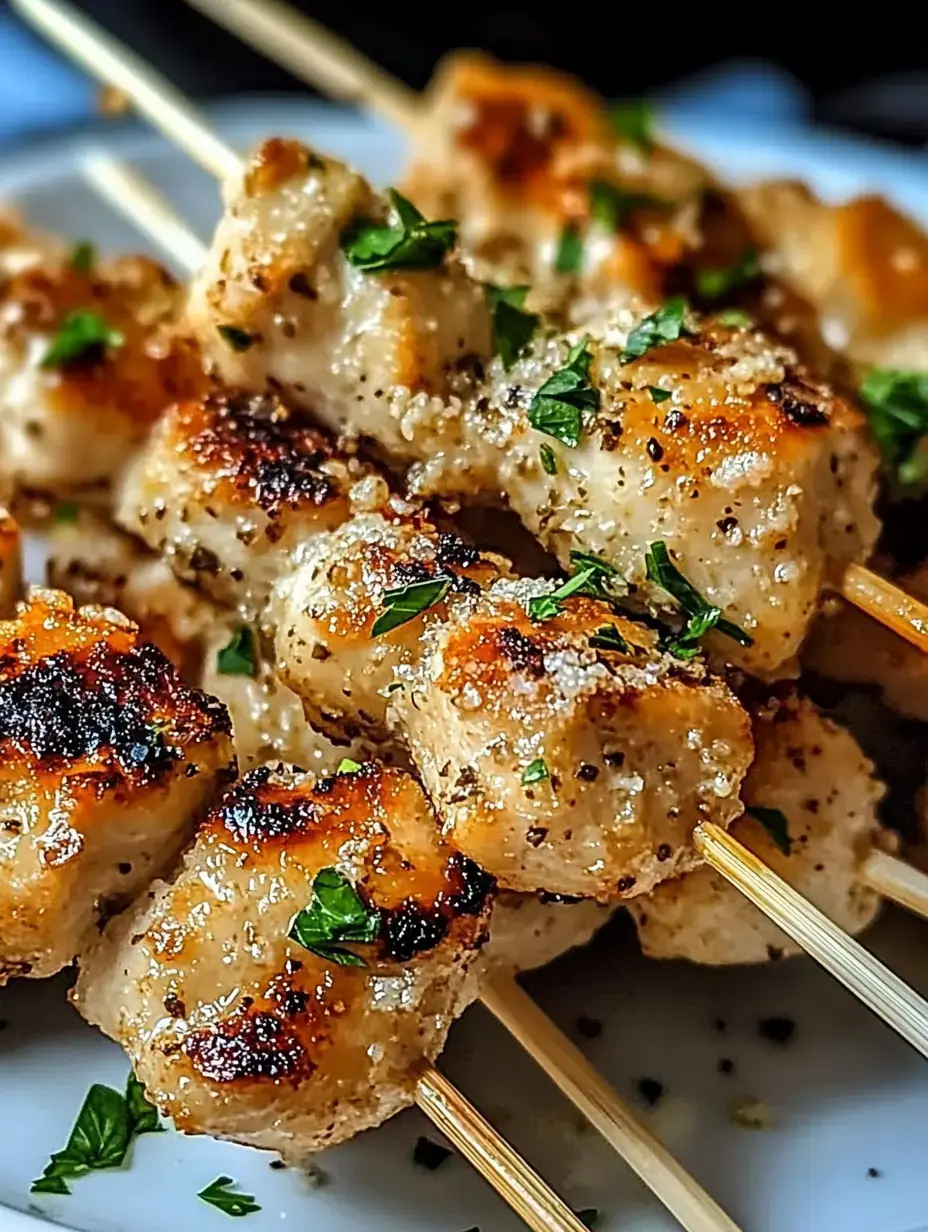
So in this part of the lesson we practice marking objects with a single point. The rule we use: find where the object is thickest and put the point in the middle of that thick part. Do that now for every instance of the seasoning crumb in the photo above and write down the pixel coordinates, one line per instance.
(777, 1029)
(429, 1154)
(874, 1172)
(751, 1113)
(589, 1028)
(650, 1090)
(111, 101)
(726, 1066)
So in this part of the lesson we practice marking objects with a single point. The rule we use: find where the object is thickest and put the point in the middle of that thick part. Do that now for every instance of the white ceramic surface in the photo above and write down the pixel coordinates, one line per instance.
(845, 1095)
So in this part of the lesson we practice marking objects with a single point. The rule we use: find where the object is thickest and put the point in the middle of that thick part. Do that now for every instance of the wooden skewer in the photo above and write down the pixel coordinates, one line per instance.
(492, 1156)
(897, 881)
(132, 195)
(880, 989)
(327, 62)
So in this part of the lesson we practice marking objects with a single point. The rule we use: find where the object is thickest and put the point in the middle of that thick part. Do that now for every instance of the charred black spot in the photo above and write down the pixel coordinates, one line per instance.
(203, 560)
(798, 403)
(248, 1046)
(524, 654)
(405, 572)
(249, 817)
(473, 886)
(461, 585)
(409, 930)
(453, 550)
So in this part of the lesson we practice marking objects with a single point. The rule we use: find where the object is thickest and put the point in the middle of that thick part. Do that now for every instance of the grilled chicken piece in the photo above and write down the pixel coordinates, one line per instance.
(88, 360)
(95, 563)
(277, 295)
(237, 1030)
(637, 746)
(517, 154)
(230, 485)
(759, 480)
(814, 773)
(106, 757)
(854, 648)
(862, 264)
(11, 573)
(528, 931)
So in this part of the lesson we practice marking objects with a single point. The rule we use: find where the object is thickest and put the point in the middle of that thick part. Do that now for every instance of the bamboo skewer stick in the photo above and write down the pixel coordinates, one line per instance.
(899, 882)
(880, 989)
(887, 603)
(125, 190)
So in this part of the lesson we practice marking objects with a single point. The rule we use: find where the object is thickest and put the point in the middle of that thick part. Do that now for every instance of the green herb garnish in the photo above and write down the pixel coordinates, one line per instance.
(535, 772)
(142, 1113)
(218, 1194)
(543, 607)
(559, 405)
(717, 283)
(99, 1139)
(667, 324)
(237, 657)
(548, 458)
(608, 637)
(734, 318)
(347, 766)
(512, 326)
(83, 337)
(403, 603)
(66, 512)
(568, 257)
(83, 257)
(634, 121)
(659, 395)
(897, 409)
(603, 577)
(775, 823)
(336, 913)
(611, 207)
(411, 243)
(702, 615)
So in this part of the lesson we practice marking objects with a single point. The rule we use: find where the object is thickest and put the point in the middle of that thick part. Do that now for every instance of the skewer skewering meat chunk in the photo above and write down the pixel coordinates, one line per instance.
(106, 758)
(277, 294)
(814, 774)
(239, 1031)
(630, 747)
(89, 357)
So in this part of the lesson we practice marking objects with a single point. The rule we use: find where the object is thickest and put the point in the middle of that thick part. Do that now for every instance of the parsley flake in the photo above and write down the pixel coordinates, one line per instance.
(535, 772)
(717, 283)
(99, 1139)
(66, 512)
(604, 578)
(412, 243)
(336, 913)
(404, 603)
(237, 657)
(83, 337)
(512, 326)
(776, 825)
(634, 121)
(83, 257)
(218, 1193)
(702, 615)
(734, 318)
(543, 607)
(559, 405)
(347, 766)
(659, 395)
(568, 257)
(608, 637)
(142, 1113)
(611, 207)
(897, 409)
(667, 324)
(548, 458)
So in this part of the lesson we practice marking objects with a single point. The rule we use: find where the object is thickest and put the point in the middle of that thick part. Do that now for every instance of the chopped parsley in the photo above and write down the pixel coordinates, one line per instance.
(734, 318)
(659, 395)
(558, 407)
(83, 337)
(100, 1137)
(634, 121)
(667, 324)
(66, 512)
(219, 1194)
(604, 576)
(429, 1154)
(83, 257)
(701, 615)
(336, 913)
(412, 243)
(568, 257)
(404, 603)
(717, 283)
(535, 772)
(607, 637)
(347, 766)
(897, 408)
(548, 458)
(611, 207)
(543, 607)
(513, 327)
(238, 339)
(776, 825)
(238, 656)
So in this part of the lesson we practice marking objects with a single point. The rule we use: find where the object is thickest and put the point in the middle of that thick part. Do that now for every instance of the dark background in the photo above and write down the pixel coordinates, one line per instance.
(862, 68)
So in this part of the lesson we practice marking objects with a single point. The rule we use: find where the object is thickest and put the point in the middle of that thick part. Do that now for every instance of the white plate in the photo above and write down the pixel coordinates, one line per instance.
(846, 1095)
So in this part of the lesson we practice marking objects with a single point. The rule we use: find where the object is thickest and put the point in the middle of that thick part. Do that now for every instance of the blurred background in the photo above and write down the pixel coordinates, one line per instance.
(854, 70)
